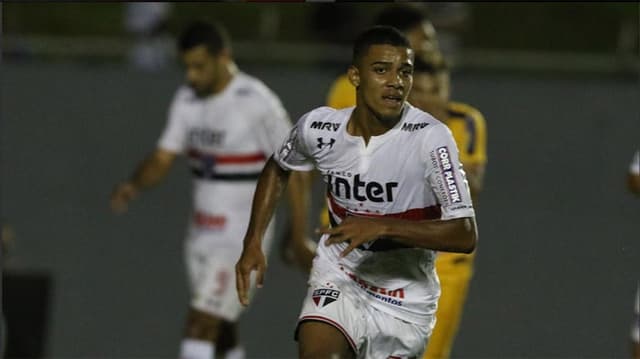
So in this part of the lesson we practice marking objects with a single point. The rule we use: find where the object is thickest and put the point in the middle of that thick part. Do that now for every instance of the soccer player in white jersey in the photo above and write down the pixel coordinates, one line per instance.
(396, 193)
(228, 124)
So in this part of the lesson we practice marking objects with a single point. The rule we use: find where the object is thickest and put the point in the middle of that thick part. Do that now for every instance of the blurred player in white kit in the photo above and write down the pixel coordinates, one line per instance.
(228, 124)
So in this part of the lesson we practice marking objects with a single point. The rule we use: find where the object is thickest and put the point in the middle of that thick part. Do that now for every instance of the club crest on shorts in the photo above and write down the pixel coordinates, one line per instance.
(324, 296)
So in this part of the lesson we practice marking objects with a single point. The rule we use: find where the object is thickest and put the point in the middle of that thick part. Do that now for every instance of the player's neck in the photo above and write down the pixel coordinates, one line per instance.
(230, 70)
(366, 123)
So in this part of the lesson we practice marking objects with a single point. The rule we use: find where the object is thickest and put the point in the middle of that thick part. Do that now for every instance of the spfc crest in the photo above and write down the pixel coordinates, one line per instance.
(324, 296)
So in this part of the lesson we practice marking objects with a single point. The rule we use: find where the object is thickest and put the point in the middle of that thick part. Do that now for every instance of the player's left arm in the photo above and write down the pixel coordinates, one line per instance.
(454, 235)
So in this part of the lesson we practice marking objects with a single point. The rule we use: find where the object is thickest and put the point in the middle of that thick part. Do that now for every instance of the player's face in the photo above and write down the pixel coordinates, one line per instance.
(384, 77)
(423, 39)
(427, 93)
(201, 69)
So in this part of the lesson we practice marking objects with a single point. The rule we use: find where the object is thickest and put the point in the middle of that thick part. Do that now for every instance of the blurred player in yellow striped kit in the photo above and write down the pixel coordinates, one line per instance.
(430, 93)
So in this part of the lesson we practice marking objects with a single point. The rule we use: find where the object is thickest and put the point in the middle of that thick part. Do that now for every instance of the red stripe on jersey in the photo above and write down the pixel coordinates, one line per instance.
(238, 159)
(235, 159)
(415, 214)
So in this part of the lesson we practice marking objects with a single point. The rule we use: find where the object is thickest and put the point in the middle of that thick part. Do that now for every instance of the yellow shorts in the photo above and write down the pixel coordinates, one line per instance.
(455, 271)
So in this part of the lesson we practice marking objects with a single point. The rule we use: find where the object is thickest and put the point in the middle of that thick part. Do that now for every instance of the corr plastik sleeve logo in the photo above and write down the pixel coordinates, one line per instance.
(444, 160)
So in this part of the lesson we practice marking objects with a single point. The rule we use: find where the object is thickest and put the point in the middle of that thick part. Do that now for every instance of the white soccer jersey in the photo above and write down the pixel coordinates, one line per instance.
(227, 137)
(411, 172)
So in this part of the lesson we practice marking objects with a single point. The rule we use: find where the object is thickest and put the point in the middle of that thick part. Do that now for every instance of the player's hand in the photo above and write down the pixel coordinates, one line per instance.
(121, 196)
(252, 259)
(353, 230)
(299, 252)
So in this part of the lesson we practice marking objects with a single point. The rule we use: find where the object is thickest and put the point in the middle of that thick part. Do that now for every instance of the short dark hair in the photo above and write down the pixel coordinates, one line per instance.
(402, 17)
(213, 35)
(377, 35)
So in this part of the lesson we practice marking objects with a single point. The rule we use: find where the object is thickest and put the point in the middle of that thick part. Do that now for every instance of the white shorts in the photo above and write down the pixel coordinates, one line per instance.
(333, 298)
(211, 261)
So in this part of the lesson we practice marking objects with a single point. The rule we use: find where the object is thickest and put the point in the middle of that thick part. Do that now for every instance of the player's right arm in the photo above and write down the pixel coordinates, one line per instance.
(271, 185)
(147, 174)
(155, 166)
(273, 180)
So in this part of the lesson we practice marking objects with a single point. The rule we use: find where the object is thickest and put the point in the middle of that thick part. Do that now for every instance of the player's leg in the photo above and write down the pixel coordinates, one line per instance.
(228, 343)
(319, 340)
(214, 303)
(201, 332)
(454, 271)
(331, 321)
(391, 337)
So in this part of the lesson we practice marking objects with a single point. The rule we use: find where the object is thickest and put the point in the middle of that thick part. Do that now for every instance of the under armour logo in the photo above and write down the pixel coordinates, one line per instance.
(322, 144)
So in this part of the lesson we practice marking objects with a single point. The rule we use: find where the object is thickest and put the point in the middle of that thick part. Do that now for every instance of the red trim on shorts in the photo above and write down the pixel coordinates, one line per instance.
(335, 324)
(415, 214)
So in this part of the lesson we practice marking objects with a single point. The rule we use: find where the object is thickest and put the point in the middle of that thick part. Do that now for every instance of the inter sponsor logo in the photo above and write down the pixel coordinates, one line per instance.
(410, 127)
(361, 190)
(444, 159)
(328, 126)
(324, 296)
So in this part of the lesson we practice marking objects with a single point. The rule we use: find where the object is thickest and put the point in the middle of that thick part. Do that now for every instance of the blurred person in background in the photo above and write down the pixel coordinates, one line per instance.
(633, 184)
(468, 126)
(635, 327)
(633, 177)
(430, 93)
(396, 194)
(147, 22)
(228, 124)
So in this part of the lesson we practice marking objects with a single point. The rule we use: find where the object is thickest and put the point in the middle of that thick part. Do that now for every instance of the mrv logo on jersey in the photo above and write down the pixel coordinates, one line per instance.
(360, 190)
(410, 127)
(444, 159)
(329, 126)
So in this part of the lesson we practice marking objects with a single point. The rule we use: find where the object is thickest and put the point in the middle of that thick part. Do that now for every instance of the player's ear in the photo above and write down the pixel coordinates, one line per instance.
(354, 76)
(224, 55)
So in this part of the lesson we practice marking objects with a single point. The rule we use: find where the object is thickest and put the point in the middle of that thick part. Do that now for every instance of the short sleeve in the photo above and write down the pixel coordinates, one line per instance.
(444, 174)
(174, 136)
(276, 125)
(293, 154)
